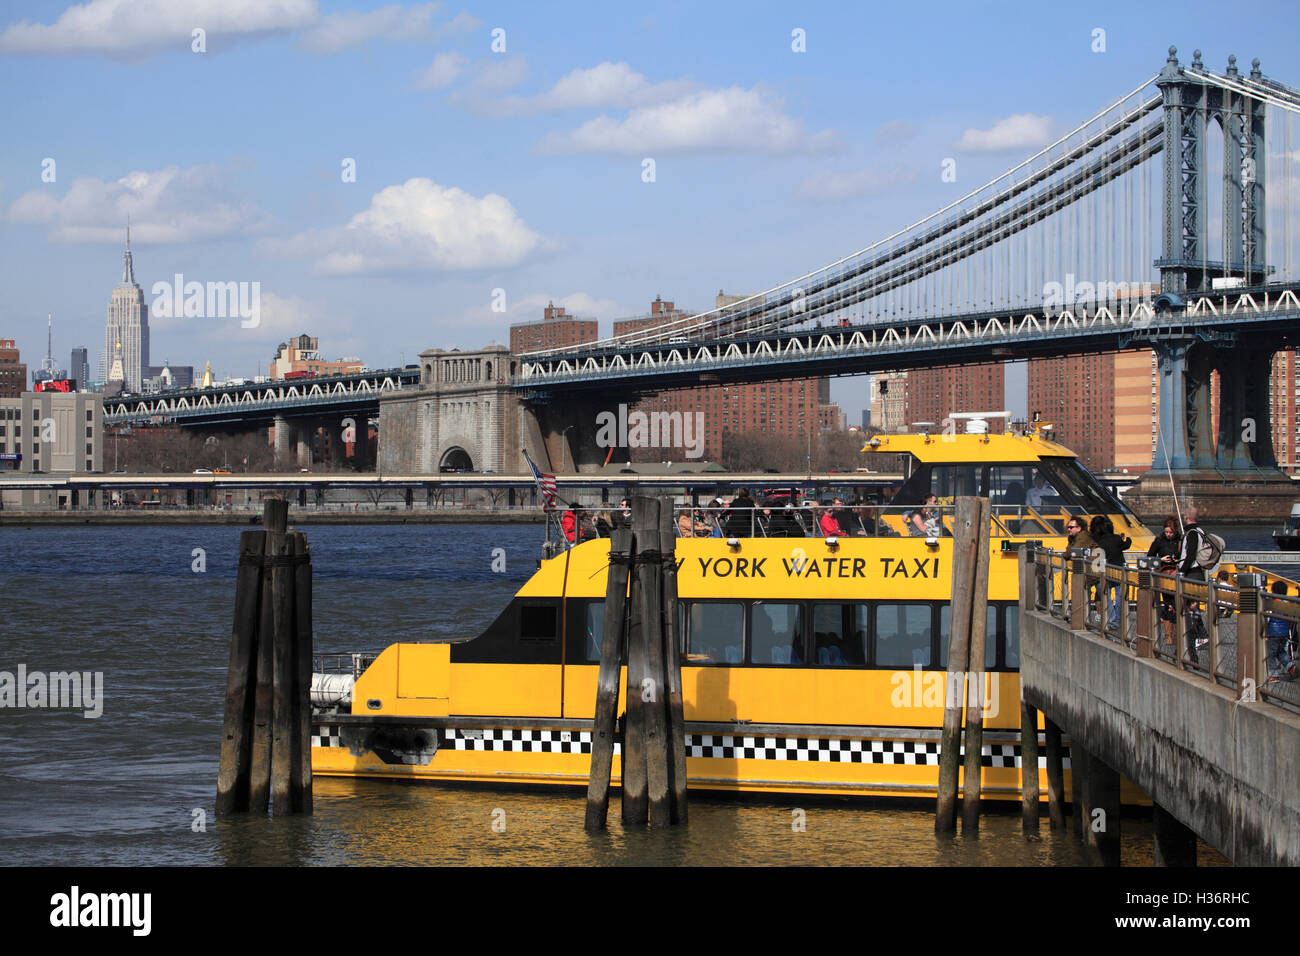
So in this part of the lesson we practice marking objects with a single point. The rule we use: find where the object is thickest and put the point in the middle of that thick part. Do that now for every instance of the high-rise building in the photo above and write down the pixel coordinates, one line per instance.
(49, 371)
(79, 367)
(13, 373)
(556, 330)
(126, 337)
(889, 402)
(934, 394)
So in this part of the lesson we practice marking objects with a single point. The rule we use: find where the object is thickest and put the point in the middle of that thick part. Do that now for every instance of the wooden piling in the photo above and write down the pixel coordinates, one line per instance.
(237, 728)
(970, 806)
(1055, 775)
(266, 742)
(636, 808)
(673, 665)
(1078, 774)
(284, 670)
(612, 642)
(274, 519)
(1028, 768)
(654, 684)
(965, 541)
(1102, 825)
(300, 786)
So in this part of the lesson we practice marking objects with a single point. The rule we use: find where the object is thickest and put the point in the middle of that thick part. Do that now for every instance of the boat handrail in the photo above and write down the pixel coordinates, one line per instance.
(778, 519)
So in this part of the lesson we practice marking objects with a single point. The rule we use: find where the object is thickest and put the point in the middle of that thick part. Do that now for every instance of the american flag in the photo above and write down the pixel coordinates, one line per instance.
(545, 483)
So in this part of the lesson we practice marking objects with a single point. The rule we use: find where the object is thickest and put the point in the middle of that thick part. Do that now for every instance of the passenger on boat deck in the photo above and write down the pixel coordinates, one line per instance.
(830, 522)
(623, 516)
(779, 520)
(740, 517)
(692, 528)
(569, 524)
(925, 520)
(604, 527)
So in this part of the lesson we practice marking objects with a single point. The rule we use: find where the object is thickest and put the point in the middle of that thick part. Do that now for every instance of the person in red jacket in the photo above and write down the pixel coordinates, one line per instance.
(569, 524)
(830, 523)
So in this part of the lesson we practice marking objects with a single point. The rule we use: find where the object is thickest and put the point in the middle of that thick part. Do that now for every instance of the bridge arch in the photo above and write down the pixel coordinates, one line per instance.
(455, 458)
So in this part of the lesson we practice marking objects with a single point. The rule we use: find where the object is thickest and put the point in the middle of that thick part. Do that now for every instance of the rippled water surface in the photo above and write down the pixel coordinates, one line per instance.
(123, 788)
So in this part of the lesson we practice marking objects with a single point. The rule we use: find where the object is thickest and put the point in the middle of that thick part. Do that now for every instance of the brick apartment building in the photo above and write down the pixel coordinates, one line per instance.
(556, 330)
(788, 408)
(13, 373)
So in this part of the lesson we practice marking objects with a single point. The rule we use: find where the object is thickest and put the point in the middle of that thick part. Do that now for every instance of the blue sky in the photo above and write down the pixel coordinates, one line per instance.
(519, 169)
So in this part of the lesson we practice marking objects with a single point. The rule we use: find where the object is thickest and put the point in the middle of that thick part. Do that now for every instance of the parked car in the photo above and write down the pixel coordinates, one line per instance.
(202, 471)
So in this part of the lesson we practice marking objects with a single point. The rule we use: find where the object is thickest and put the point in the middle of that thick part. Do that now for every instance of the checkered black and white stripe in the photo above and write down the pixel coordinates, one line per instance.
(837, 750)
(714, 746)
(518, 740)
(324, 735)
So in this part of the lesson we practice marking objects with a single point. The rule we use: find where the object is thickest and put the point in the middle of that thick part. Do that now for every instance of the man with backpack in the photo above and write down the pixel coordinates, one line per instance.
(1200, 552)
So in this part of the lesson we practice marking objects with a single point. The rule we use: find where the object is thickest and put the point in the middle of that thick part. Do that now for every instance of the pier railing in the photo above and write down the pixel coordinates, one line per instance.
(1215, 628)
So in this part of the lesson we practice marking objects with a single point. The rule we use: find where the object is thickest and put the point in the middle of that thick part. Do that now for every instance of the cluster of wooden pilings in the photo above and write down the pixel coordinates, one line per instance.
(266, 737)
(965, 677)
(640, 631)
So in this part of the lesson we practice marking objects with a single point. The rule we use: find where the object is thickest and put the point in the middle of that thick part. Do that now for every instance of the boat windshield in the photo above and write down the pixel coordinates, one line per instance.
(1051, 486)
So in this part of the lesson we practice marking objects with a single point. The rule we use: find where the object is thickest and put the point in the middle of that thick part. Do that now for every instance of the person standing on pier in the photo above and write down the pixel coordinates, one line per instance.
(1189, 567)
(1164, 549)
(1279, 642)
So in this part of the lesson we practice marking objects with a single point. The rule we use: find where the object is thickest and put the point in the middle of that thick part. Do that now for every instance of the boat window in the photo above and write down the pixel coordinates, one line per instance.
(1012, 639)
(1001, 626)
(902, 635)
(715, 632)
(776, 633)
(595, 629)
(537, 622)
(840, 634)
(948, 481)
(1080, 489)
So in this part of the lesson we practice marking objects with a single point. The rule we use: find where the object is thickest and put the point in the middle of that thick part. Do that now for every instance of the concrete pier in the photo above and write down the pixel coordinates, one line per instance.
(1216, 762)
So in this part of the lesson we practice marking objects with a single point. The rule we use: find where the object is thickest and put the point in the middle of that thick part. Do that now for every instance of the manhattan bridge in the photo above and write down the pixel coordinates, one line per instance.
(1167, 220)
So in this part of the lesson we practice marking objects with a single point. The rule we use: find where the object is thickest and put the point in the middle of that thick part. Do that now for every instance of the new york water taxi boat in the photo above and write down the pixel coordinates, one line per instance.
(810, 665)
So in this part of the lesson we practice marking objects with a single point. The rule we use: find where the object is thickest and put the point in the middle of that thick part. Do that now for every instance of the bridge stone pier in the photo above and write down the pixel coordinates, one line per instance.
(463, 415)
(1232, 475)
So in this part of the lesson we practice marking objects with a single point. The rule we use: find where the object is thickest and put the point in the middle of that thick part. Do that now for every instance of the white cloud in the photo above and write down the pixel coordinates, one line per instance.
(129, 27)
(501, 72)
(1021, 131)
(338, 31)
(165, 205)
(445, 70)
(831, 187)
(731, 120)
(418, 226)
(604, 85)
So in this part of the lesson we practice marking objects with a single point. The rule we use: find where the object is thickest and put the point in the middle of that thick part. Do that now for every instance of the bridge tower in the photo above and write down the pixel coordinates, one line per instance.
(1235, 467)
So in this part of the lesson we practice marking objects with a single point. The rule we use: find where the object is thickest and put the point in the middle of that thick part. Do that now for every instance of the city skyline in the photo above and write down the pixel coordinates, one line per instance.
(382, 170)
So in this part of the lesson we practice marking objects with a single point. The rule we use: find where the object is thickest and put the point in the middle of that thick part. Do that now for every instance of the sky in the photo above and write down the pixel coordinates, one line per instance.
(397, 177)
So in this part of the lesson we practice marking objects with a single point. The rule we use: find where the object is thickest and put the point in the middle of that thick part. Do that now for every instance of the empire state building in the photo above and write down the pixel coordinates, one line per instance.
(126, 337)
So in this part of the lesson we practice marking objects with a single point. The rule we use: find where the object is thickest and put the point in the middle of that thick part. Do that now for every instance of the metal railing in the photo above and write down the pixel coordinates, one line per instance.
(1216, 627)
(805, 519)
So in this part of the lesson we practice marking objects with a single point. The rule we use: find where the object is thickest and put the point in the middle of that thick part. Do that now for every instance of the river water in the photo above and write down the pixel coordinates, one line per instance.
(151, 607)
